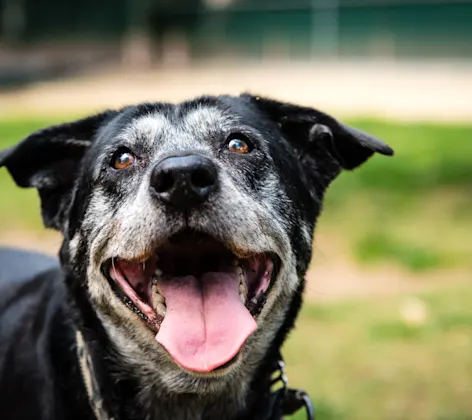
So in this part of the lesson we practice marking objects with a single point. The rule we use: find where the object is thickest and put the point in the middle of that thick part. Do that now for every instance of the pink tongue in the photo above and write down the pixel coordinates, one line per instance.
(206, 323)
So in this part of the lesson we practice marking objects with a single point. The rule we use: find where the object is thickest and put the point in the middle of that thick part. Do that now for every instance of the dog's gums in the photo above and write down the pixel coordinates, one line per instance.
(199, 297)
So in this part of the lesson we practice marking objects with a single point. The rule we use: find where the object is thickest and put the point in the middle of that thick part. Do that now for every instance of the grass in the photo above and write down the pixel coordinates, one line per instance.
(412, 210)
(21, 209)
(368, 360)
(378, 246)
(428, 156)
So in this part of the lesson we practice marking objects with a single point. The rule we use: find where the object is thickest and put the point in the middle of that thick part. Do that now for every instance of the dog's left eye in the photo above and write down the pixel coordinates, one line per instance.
(239, 145)
(122, 159)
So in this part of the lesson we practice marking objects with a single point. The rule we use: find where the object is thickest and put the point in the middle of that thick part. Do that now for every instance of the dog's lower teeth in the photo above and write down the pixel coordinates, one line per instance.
(158, 273)
(242, 285)
(159, 298)
(243, 290)
(161, 308)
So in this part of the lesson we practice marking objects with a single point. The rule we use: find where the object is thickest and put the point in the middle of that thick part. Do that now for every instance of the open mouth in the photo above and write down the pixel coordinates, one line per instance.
(200, 298)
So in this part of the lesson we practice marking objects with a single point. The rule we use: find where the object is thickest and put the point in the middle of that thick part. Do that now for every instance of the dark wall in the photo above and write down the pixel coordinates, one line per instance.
(79, 19)
(251, 26)
(405, 30)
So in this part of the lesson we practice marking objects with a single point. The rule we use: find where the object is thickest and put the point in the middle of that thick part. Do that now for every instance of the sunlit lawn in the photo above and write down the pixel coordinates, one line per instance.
(362, 360)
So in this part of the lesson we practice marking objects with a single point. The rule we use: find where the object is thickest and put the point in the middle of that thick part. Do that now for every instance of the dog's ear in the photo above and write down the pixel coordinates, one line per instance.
(49, 160)
(308, 128)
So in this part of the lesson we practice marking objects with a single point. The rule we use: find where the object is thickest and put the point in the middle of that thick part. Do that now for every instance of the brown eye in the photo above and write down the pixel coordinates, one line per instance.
(123, 159)
(238, 146)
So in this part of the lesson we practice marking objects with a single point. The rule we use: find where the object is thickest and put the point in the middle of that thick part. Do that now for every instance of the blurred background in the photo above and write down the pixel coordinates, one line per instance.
(386, 330)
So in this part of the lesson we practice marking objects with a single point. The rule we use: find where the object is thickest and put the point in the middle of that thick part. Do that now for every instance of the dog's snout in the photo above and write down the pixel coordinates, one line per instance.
(184, 181)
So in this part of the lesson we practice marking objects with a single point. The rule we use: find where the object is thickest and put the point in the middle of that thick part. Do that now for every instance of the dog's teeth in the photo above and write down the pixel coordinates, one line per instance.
(235, 262)
(243, 289)
(161, 308)
(158, 273)
(159, 298)
(242, 285)
(155, 290)
(242, 277)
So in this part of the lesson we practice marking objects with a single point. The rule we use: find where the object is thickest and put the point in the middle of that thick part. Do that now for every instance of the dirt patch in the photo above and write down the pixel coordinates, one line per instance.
(406, 91)
(344, 279)
(48, 242)
(334, 275)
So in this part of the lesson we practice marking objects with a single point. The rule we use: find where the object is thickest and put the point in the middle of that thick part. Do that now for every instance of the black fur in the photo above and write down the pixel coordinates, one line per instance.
(297, 153)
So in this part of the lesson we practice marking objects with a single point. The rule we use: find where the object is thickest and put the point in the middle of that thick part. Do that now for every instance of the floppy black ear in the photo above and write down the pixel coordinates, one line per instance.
(49, 160)
(309, 128)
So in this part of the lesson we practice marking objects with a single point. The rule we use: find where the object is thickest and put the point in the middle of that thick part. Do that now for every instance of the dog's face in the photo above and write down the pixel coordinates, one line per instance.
(190, 225)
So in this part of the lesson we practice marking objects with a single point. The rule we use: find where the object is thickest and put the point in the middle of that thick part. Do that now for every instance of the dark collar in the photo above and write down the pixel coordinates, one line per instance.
(278, 401)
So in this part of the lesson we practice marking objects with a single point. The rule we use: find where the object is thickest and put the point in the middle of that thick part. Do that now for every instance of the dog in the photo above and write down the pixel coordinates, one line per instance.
(187, 231)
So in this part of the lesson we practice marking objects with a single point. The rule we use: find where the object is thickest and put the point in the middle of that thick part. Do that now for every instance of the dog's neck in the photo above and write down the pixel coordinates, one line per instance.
(138, 401)
(126, 396)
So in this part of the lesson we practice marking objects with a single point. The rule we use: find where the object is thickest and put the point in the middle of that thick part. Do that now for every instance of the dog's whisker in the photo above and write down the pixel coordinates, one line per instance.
(113, 265)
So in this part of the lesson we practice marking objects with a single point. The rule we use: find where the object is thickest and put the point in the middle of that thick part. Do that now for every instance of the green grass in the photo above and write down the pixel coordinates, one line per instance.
(428, 156)
(19, 208)
(375, 247)
(412, 210)
(363, 360)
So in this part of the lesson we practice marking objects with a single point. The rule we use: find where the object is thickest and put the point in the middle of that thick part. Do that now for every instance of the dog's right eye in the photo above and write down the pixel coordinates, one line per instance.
(122, 159)
(239, 143)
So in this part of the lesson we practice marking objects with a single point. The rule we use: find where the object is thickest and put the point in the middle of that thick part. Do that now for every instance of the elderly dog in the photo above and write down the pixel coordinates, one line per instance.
(187, 233)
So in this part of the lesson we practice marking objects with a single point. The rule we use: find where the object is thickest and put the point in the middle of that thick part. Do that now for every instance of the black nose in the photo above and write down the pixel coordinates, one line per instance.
(184, 181)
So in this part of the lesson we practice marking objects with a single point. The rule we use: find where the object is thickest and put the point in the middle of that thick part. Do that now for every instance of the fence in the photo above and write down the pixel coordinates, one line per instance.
(294, 28)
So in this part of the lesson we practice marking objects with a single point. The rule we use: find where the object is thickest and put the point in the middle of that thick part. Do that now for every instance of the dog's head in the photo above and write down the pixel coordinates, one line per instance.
(190, 226)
